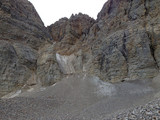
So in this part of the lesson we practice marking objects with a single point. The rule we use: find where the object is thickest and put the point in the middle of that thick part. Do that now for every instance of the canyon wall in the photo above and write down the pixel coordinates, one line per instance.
(122, 44)
(22, 33)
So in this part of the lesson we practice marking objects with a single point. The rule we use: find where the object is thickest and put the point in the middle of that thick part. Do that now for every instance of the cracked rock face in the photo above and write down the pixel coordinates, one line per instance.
(14, 70)
(125, 45)
(122, 44)
(20, 22)
(69, 33)
(21, 34)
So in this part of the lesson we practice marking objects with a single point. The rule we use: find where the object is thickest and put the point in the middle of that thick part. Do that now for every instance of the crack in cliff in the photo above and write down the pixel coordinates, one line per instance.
(101, 62)
(124, 50)
(152, 49)
(146, 7)
(4, 70)
(130, 7)
(110, 7)
(0, 4)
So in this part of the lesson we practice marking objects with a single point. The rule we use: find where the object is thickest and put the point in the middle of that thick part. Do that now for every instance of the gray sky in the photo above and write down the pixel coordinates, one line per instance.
(51, 11)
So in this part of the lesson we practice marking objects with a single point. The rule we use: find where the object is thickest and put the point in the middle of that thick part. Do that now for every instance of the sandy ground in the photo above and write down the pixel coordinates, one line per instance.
(77, 97)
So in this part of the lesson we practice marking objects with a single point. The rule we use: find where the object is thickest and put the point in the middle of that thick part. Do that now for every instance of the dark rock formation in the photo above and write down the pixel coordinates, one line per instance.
(69, 33)
(21, 34)
(20, 22)
(126, 45)
(68, 36)
(122, 44)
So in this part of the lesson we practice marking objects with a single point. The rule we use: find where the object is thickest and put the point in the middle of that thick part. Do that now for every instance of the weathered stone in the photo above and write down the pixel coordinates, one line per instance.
(122, 44)
(27, 56)
(70, 64)
(69, 33)
(22, 32)
(13, 73)
(125, 46)
(48, 71)
(20, 22)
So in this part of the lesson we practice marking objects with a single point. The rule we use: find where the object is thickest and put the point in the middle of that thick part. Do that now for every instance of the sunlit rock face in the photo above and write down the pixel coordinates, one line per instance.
(66, 63)
(70, 64)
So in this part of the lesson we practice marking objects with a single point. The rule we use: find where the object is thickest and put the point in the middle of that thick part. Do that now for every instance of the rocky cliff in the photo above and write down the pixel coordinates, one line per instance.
(22, 33)
(122, 44)
(125, 46)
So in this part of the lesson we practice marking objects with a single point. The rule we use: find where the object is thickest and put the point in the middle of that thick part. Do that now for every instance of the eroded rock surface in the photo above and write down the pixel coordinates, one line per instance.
(22, 32)
(15, 69)
(124, 48)
(48, 71)
(122, 44)
(69, 33)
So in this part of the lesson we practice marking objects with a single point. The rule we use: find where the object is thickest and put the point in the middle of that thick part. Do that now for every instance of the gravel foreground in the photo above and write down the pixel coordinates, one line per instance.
(84, 98)
(150, 111)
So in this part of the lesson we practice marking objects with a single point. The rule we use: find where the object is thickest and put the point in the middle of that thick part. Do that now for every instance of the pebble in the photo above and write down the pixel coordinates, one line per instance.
(19, 111)
(150, 111)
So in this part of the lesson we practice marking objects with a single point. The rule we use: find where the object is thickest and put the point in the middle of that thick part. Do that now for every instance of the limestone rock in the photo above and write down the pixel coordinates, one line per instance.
(70, 64)
(48, 71)
(125, 45)
(13, 73)
(22, 33)
(20, 22)
(27, 56)
(122, 44)
(70, 33)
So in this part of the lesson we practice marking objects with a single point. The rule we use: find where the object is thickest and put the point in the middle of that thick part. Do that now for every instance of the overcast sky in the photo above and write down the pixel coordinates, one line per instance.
(51, 11)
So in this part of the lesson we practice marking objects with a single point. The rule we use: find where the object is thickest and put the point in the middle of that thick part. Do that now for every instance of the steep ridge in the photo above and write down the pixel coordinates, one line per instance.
(68, 36)
(75, 55)
(20, 22)
(70, 33)
(127, 41)
(122, 44)
(21, 34)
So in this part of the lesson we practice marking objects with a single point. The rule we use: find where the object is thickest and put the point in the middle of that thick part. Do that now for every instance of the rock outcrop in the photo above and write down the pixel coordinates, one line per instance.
(126, 44)
(20, 22)
(69, 34)
(64, 56)
(48, 71)
(22, 33)
(122, 44)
